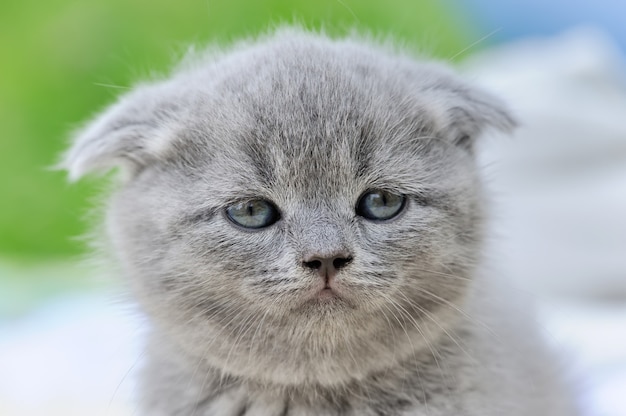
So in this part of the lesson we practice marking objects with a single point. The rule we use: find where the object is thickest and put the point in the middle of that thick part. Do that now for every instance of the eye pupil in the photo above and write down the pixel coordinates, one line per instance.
(253, 214)
(379, 205)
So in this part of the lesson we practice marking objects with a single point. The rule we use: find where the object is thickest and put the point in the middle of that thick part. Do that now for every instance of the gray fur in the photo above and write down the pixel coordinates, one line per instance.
(310, 124)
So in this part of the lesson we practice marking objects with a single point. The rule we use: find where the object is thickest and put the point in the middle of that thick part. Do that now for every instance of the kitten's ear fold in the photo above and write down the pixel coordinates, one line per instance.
(470, 111)
(130, 134)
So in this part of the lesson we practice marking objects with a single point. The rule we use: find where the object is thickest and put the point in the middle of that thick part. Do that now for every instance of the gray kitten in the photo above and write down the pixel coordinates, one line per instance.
(301, 218)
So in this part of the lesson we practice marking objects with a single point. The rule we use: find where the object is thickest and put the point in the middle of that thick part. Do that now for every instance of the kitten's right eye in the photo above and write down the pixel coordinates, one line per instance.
(257, 213)
(379, 205)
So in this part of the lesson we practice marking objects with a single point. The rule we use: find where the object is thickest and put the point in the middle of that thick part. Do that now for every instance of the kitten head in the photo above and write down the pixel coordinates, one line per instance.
(299, 210)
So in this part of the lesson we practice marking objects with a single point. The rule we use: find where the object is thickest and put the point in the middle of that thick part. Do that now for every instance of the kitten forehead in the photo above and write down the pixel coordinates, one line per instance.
(311, 115)
(316, 158)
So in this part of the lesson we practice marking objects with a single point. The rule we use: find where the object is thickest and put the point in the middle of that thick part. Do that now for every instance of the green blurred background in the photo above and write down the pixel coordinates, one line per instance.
(64, 60)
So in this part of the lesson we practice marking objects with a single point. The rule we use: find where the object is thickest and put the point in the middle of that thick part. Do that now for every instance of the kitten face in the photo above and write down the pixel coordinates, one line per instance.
(293, 134)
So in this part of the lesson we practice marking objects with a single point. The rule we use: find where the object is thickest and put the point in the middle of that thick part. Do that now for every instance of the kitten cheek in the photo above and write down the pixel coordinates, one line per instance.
(270, 284)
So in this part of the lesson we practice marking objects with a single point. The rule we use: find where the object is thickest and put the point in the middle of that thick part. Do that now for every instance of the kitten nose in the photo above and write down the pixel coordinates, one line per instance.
(327, 267)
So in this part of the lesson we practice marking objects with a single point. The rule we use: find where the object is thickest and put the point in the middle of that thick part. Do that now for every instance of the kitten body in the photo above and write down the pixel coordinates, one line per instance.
(243, 322)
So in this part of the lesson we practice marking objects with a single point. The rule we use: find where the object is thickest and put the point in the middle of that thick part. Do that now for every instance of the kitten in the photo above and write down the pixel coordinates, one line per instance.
(302, 220)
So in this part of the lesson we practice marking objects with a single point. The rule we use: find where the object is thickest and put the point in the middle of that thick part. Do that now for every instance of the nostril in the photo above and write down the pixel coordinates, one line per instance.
(326, 265)
(313, 264)
(340, 262)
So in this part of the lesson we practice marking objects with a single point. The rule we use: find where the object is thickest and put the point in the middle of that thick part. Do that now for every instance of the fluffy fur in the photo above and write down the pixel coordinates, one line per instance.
(415, 326)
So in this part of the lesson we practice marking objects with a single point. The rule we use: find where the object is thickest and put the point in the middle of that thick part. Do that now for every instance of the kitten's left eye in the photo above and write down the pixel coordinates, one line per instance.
(257, 213)
(380, 205)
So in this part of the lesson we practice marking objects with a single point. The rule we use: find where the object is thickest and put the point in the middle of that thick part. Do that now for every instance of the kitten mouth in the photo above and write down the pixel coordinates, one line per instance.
(327, 293)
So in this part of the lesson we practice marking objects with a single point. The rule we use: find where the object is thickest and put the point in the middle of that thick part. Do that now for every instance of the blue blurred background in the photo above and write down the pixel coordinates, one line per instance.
(521, 18)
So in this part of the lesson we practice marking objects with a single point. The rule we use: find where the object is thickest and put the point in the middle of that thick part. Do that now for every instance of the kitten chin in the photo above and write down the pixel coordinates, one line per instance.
(302, 220)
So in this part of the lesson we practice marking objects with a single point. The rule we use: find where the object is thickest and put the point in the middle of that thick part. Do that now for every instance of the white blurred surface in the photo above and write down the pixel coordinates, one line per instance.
(76, 356)
(560, 224)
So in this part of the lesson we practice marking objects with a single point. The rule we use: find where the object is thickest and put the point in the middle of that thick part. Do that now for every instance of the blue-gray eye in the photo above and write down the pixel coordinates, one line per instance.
(257, 213)
(379, 205)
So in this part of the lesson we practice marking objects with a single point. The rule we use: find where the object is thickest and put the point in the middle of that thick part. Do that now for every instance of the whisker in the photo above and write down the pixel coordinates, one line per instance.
(431, 316)
(471, 45)
(415, 361)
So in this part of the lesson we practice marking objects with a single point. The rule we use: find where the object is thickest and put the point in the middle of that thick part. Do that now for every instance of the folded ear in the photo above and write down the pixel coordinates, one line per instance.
(477, 112)
(464, 112)
(130, 134)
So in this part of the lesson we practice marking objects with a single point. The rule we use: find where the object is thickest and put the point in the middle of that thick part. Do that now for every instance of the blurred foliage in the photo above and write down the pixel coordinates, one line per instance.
(62, 60)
